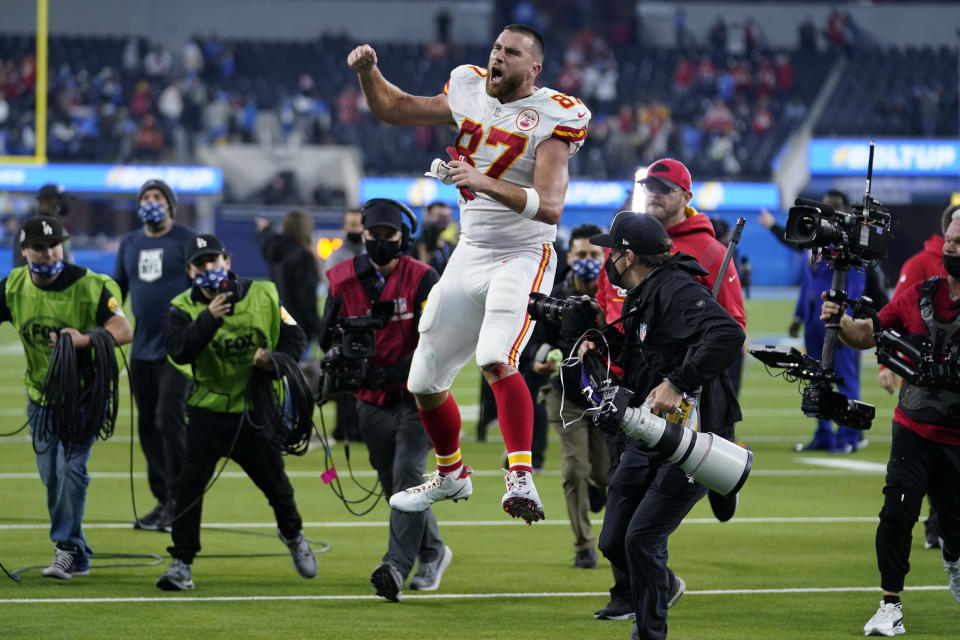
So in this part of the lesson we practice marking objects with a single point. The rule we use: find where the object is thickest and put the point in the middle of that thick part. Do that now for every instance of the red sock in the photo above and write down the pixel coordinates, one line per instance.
(515, 412)
(443, 426)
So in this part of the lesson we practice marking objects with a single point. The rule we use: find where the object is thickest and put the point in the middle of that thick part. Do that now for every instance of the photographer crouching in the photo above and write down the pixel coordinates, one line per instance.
(677, 340)
(924, 322)
(369, 334)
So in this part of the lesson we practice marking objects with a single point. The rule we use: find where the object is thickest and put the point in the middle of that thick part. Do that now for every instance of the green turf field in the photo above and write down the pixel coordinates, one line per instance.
(797, 561)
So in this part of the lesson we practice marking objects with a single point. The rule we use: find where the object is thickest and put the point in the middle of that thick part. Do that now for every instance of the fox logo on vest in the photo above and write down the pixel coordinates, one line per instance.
(36, 331)
(239, 345)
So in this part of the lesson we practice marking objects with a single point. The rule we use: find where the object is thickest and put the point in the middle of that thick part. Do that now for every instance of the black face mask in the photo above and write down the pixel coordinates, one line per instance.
(382, 252)
(610, 266)
(355, 238)
(952, 265)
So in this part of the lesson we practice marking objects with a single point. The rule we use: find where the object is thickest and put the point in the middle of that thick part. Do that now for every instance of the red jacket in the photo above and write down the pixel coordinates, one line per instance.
(903, 314)
(399, 338)
(694, 236)
(922, 265)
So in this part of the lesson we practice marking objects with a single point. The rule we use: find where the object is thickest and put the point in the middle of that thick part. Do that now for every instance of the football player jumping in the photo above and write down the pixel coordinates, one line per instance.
(510, 164)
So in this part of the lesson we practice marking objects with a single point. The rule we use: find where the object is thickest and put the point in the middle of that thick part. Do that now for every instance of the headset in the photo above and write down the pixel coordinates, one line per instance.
(407, 231)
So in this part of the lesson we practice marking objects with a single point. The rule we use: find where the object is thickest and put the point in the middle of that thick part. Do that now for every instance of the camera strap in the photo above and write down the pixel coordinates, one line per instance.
(370, 279)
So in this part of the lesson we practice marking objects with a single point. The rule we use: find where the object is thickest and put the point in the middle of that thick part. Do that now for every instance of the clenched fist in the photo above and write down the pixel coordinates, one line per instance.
(362, 59)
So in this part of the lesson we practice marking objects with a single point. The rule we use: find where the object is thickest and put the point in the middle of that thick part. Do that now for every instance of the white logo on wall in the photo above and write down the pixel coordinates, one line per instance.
(150, 265)
(47, 229)
(201, 243)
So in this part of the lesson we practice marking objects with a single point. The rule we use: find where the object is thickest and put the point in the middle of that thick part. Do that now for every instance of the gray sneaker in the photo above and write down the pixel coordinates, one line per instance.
(585, 559)
(60, 567)
(953, 573)
(428, 574)
(388, 582)
(679, 586)
(304, 560)
(177, 577)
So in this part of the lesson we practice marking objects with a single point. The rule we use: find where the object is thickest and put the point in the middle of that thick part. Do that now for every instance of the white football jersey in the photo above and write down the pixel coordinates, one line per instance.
(501, 140)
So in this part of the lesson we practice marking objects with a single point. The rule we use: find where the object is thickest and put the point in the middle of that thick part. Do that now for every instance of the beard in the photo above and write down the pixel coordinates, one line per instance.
(507, 86)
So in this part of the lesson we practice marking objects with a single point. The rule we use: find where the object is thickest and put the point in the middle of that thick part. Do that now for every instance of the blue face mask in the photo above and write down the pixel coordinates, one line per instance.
(210, 279)
(46, 270)
(152, 213)
(587, 269)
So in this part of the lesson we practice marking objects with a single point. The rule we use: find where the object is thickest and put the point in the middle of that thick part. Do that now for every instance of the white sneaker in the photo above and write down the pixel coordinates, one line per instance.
(887, 621)
(521, 499)
(953, 573)
(436, 488)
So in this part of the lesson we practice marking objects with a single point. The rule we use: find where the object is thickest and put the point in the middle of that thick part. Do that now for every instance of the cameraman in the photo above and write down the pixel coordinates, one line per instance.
(925, 452)
(389, 423)
(584, 449)
(668, 313)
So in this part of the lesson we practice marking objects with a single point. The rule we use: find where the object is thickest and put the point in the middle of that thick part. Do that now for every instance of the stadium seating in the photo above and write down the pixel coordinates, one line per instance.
(307, 86)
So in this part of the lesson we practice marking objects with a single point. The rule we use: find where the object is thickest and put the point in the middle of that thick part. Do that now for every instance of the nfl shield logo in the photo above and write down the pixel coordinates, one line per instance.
(150, 265)
(642, 330)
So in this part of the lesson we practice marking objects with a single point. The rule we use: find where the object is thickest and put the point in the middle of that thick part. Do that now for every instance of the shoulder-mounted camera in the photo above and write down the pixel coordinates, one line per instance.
(349, 342)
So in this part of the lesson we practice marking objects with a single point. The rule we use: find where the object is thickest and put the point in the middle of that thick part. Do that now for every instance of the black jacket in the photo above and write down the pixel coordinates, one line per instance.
(186, 338)
(294, 270)
(668, 314)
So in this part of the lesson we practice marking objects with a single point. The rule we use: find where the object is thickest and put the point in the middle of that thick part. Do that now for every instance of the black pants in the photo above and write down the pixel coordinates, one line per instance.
(257, 456)
(647, 499)
(916, 466)
(616, 444)
(397, 445)
(161, 394)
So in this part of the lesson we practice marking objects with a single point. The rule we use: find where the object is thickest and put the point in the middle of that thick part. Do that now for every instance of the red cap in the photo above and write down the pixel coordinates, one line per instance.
(670, 172)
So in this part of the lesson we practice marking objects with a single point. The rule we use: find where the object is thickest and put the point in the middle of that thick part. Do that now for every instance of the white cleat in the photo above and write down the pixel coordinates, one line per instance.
(887, 621)
(521, 499)
(435, 489)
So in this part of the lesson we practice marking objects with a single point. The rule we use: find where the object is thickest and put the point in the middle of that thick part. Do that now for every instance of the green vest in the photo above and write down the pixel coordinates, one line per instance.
(221, 370)
(35, 312)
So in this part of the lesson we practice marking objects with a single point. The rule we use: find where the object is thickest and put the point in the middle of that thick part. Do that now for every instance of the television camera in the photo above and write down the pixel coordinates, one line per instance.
(348, 343)
(846, 240)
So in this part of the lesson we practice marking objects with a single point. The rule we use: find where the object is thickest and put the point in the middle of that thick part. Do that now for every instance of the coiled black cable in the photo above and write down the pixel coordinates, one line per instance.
(284, 413)
(79, 396)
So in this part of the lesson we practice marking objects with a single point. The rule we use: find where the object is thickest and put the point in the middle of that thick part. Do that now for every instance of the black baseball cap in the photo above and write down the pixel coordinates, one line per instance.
(50, 191)
(640, 232)
(382, 212)
(205, 244)
(42, 228)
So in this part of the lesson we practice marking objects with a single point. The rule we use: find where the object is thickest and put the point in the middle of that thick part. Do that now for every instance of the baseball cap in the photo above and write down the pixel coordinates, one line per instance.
(50, 191)
(42, 228)
(382, 212)
(670, 172)
(640, 232)
(205, 244)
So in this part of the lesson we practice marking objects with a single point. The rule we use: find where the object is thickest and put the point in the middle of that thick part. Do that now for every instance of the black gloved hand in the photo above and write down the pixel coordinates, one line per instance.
(374, 378)
(614, 401)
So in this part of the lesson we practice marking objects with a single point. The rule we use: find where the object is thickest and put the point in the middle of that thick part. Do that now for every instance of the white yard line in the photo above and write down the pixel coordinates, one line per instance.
(354, 524)
(448, 596)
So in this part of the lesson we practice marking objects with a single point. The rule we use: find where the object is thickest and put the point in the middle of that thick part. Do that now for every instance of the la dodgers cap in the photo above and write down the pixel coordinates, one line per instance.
(42, 228)
(205, 244)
